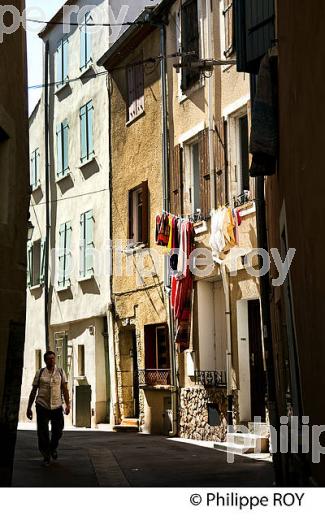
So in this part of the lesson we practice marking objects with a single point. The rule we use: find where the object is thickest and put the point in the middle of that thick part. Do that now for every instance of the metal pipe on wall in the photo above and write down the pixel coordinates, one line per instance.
(165, 171)
(47, 198)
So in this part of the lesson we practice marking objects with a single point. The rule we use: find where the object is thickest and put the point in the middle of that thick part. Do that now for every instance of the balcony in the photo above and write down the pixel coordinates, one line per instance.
(154, 377)
(214, 379)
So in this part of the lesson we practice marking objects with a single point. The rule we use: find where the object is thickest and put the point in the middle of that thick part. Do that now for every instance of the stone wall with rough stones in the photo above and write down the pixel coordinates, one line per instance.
(193, 413)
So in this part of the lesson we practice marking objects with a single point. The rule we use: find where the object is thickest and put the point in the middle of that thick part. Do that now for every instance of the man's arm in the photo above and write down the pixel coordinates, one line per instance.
(30, 402)
(66, 396)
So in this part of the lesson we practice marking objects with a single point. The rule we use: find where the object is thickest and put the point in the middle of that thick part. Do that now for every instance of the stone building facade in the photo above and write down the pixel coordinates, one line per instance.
(14, 200)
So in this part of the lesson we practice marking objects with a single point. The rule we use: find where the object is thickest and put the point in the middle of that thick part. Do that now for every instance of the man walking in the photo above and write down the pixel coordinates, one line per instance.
(49, 384)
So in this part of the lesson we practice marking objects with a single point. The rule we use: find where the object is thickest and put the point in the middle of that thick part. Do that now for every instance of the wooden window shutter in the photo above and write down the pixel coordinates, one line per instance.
(130, 215)
(145, 212)
(205, 201)
(220, 166)
(229, 27)
(176, 182)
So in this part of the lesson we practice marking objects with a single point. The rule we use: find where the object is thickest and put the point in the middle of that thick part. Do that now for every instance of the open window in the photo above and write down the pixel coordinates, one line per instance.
(139, 214)
(157, 360)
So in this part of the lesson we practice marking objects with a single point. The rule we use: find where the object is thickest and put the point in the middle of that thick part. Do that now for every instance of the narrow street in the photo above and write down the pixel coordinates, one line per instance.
(91, 459)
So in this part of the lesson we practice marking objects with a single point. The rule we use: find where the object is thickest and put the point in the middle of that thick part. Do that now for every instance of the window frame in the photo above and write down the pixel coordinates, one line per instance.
(194, 78)
(65, 254)
(62, 63)
(143, 187)
(85, 43)
(133, 83)
(89, 139)
(62, 154)
(35, 273)
(34, 169)
(86, 244)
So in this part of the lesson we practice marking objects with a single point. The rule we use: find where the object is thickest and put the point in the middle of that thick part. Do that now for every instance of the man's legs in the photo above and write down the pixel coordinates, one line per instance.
(57, 423)
(43, 417)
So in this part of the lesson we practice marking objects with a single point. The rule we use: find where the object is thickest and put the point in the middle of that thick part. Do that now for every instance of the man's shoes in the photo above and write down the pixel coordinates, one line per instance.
(46, 462)
(54, 455)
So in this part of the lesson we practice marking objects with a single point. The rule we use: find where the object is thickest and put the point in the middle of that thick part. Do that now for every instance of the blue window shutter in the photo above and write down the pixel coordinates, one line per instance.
(61, 266)
(88, 19)
(59, 77)
(59, 166)
(82, 267)
(65, 59)
(89, 241)
(32, 171)
(29, 264)
(67, 273)
(90, 122)
(36, 167)
(83, 133)
(65, 130)
(83, 47)
(42, 265)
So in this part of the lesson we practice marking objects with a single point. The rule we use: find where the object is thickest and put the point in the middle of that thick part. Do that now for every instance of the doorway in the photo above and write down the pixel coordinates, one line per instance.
(250, 361)
(257, 375)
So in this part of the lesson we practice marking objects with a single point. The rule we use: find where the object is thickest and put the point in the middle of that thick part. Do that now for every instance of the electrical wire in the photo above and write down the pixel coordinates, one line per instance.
(88, 24)
(71, 197)
(151, 60)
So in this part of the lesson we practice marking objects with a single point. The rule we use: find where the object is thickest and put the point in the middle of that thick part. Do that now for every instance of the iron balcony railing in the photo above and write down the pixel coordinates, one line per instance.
(212, 378)
(154, 377)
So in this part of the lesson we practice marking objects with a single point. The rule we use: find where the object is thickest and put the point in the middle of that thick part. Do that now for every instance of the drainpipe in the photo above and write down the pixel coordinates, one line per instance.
(165, 172)
(210, 107)
(47, 199)
(226, 289)
(262, 242)
(114, 411)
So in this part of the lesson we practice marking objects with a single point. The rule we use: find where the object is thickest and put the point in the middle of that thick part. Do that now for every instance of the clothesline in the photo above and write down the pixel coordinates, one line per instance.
(191, 217)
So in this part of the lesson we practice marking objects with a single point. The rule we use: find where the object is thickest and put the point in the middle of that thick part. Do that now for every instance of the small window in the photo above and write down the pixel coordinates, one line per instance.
(86, 131)
(62, 139)
(86, 244)
(34, 169)
(85, 42)
(81, 360)
(62, 63)
(138, 214)
(38, 359)
(135, 82)
(243, 154)
(190, 43)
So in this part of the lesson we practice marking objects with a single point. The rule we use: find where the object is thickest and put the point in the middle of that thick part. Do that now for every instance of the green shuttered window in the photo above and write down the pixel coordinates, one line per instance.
(62, 62)
(86, 131)
(64, 258)
(35, 263)
(86, 245)
(85, 42)
(62, 136)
